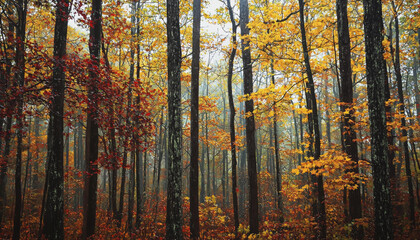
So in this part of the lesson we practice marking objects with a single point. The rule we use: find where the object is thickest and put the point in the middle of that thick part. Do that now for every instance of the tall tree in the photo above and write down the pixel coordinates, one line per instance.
(349, 135)
(5, 84)
(376, 77)
(232, 118)
(249, 122)
(54, 209)
(279, 199)
(397, 68)
(174, 199)
(92, 137)
(195, 76)
(314, 133)
(21, 9)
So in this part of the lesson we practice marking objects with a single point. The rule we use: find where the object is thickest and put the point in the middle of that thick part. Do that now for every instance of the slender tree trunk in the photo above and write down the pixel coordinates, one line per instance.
(250, 123)
(131, 189)
(28, 163)
(20, 80)
(202, 183)
(376, 77)
(235, 189)
(114, 167)
(195, 69)
(224, 156)
(314, 134)
(139, 159)
(397, 68)
(91, 179)
(277, 154)
(208, 188)
(128, 111)
(349, 135)
(415, 74)
(5, 84)
(174, 199)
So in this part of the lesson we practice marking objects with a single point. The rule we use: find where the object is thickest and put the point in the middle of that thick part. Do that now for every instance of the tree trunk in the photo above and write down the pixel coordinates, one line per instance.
(376, 77)
(139, 159)
(174, 199)
(202, 183)
(314, 134)
(349, 135)
(114, 167)
(131, 186)
(20, 80)
(195, 74)
(250, 123)
(235, 189)
(397, 69)
(54, 208)
(277, 154)
(5, 84)
(91, 178)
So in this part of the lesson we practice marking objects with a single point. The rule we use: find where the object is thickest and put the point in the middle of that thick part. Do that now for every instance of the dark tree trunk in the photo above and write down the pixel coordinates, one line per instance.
(162, 149)
(128, 112)
(224, 156)
(54, 208)
(139, 159)
(232, 119)
(114, 167)
(131, 186)
(250, 123)
(35, 179)
(349, 135)
(28, 163)
(208, 188)
(202, 183)
(376, 77)
(415, 74)
(195, 74)
(3, 173)
(20, 80)
(314, 134)
(5, 84)
(91, 178)
(397, 69)
(174, 199)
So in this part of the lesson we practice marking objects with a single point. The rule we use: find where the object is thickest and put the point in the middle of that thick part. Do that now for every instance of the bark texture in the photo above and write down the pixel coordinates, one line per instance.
(349, 135)
(195, 76)
(376, 77)
(174, 199)
(249, 120)
(54, 209)
(92, 137)
(232, 119)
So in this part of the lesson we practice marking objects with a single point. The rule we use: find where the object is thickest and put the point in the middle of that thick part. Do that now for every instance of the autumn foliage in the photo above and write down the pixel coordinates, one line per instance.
(131, 110)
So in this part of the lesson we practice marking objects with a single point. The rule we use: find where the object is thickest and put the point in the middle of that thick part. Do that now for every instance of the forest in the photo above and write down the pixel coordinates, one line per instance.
(209, 119)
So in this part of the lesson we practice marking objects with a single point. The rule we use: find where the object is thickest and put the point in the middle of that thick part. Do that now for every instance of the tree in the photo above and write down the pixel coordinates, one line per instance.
(349, 135)
(92, 137)
(174, 199)
(54, 208)
(21, 8)
(250, 122)
(194, 200)
(6, 84)
(376, 77)
(397, 68)
(232, 118)
(314, 134)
